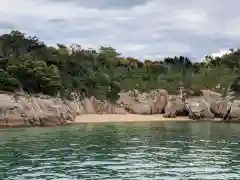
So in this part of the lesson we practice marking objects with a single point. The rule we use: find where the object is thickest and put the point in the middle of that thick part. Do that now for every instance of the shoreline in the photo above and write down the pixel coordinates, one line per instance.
(101, 118)
(114, 118)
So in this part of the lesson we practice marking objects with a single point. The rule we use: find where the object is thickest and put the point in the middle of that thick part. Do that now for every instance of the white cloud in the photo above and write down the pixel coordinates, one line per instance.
(221, 53)
(145, 30)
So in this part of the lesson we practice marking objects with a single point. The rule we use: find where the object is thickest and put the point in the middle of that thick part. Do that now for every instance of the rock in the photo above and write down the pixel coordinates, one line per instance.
(217, 105)
(198, 108)
(75, 106)
(194, 109)
(125, 98)
(205, 111)
(233, 112)
(23, 109)
(8, 104)
(108, 107)
(89, 106)
(220, 108)
(138, 108)
(119, 110)
(175, 106)
(136, 104)
(211, 96)
(160, 102)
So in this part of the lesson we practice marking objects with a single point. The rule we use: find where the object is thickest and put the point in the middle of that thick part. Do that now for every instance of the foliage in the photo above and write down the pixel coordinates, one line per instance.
(27, 63)
(35, 75)
(7, 82)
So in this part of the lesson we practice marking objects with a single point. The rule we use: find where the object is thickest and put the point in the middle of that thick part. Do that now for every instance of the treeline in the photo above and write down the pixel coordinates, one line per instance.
(30, 65)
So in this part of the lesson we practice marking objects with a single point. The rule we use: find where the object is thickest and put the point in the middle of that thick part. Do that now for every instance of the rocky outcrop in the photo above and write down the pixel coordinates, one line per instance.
(154, 102)
(199, 110)
(18, 110)
(212, 105)
(134, 103)
(24, 109)
(209, 106)
(234, 113)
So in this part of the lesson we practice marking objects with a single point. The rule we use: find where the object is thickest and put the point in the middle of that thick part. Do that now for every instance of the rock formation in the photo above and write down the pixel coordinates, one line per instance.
(24, 109)
(212, 106)
(160, 101)
(209, 106)
(18, 110)
(174, 106)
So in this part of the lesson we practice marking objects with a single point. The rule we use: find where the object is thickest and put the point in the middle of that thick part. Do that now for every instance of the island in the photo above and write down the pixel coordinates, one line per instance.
(45, 85)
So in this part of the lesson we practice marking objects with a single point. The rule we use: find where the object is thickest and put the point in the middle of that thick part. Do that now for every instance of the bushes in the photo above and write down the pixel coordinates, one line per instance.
(35, 75)
(7, 82)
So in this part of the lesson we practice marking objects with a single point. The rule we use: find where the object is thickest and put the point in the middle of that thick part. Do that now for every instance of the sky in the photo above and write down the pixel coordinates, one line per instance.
(144, 29)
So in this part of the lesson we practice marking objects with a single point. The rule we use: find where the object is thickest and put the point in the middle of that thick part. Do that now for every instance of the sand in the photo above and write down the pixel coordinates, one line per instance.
(108, 118)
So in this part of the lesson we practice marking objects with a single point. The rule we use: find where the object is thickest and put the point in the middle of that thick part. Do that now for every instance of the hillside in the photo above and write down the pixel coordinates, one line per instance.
(27, 64)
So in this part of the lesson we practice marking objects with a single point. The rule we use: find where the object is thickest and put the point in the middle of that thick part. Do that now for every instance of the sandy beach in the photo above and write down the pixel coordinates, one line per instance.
(108, 118)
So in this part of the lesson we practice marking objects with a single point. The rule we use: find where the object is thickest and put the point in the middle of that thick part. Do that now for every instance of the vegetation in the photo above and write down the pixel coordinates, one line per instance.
(28, 64)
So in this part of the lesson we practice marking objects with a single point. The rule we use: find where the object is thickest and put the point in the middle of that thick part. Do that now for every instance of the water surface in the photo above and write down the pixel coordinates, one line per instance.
(134, 151)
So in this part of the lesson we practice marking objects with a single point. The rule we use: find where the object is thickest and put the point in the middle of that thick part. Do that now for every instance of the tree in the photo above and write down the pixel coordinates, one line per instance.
(35, 75)
(8, 83)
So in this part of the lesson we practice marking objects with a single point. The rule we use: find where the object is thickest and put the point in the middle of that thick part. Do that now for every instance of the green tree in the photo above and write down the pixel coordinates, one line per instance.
(35, 75)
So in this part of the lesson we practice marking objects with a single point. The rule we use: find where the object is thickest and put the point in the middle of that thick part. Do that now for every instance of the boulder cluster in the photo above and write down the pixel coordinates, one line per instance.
(24, 109)
(209, 106)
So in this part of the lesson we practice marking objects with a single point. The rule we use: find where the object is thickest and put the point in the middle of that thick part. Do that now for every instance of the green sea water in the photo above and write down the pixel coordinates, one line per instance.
(131, 151)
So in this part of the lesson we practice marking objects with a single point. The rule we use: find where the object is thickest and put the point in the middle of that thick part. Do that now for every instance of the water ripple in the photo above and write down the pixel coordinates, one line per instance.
(120, 152)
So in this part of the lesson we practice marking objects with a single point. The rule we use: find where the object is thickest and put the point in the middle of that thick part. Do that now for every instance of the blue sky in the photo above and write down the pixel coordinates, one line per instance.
(145, 29)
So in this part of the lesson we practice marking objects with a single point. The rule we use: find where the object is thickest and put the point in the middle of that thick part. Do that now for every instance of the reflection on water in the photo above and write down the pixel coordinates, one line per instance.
(164, 150)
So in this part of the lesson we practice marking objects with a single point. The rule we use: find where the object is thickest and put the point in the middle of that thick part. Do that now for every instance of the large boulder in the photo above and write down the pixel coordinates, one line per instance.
(75, 106)
(154, 102)
(134, 102)
(220, 108)
(218, 105)
(199, 110)
(118, 109)
(125, 98)
(8, 105)
(233, 112)
(211, 96)
(138, 108)
(174, 107)
(160, 101)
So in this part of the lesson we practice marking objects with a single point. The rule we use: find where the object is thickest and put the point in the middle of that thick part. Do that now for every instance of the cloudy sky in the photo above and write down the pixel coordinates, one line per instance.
(145, 29)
